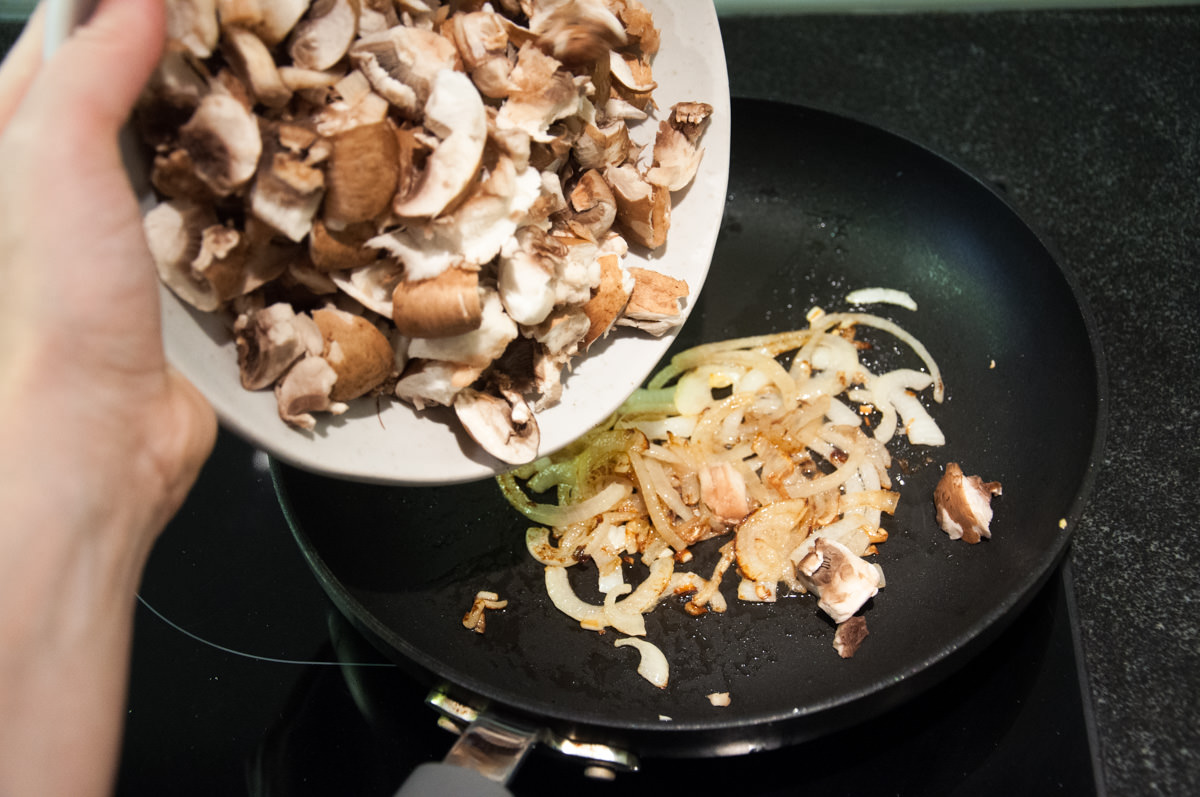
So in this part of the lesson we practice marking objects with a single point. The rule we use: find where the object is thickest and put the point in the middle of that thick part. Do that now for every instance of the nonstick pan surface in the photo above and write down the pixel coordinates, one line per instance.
(818, 205)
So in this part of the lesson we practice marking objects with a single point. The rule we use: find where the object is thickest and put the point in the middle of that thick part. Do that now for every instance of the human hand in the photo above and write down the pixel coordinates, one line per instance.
(99, 439)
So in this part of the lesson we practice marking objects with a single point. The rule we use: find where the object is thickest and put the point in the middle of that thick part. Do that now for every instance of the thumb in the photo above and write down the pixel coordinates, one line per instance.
(95, 77)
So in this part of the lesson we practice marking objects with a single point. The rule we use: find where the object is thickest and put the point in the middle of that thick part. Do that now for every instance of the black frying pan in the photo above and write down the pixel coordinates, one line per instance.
(818, 205)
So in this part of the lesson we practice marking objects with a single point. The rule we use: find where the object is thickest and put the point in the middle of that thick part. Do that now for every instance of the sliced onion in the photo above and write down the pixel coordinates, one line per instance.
(623, 618)
(559, 515)
(881, 296)
(653, 665)
(558, 588)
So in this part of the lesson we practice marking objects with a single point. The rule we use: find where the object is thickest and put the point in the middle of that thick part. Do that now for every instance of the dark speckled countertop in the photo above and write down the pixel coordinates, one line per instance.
(1090, 121)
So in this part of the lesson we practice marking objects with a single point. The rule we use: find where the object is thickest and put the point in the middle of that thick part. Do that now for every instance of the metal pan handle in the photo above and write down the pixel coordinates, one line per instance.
(482, 760)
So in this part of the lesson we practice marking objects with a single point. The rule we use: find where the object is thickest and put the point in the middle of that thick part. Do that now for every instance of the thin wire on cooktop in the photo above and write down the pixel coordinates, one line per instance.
(256, 657)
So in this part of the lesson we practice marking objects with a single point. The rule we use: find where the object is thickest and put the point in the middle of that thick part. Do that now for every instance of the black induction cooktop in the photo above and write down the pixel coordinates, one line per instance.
(246, 680)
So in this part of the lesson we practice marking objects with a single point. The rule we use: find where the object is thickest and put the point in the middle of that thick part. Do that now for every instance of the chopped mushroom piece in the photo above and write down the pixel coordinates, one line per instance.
(843, 581)
(440, 306)
(455, 113)
(362, 173)
(964, 504)
(222, 140)
(305, 389)
(502, 425)
(271, 339)
(849, 636)
(609, 300)
(425, 382)
(643, 209)
(325, 34)
(358, 352)
(654, 305)
(193, 23)
(403, 63)
(254, 64)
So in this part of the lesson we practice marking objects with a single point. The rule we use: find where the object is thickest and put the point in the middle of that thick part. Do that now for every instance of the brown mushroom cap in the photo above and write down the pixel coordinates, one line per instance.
(440, 306)
(655, 304)
(643, 209)
(361, 175)
(609, 300)
(358, 352)
(337, 250)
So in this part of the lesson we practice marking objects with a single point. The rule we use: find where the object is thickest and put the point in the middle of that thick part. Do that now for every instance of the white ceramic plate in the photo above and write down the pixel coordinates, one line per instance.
(393, 443)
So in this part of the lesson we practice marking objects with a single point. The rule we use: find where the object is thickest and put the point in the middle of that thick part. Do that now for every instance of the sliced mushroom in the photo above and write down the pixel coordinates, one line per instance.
(193, 23)
(563, 332)
(271, 20)
(723, 490)
(525, 274)
(849, 636)
(305, 389)
(174, 176)
(254, 64)
(843, 581)
(441, 306)
(361, 175)
(402, 64)
(579, 270)
(503, 426)
(325, 34)
(358, 352)
(339, 250)
(482, 43)
(676, 159)
(426, 382)
(222, 141)
(609, 300)
(690, 118)
(964, 504)
(173, 232)
(577, 31)
(377, 16)
(371, 285)
(643, 209)
(269, 340)
(594, 205)
(455, 113)
(655, 305)
(633, 80)
(289, 185)
(238, 262)
(474, 233)
(351, 103)
(601, 147)
(542, 93)
(480, 346)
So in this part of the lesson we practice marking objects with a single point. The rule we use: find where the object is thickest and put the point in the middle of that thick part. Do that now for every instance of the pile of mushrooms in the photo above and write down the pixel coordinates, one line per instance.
(411, 198)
